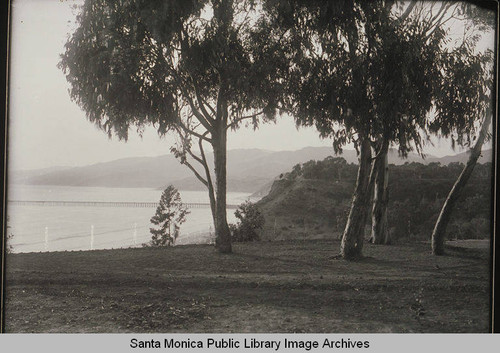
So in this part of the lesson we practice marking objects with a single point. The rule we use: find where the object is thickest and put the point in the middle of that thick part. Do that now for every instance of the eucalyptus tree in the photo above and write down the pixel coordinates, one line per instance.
(362, 76)
(186, 67)
(471, 82)
(462, 101)
(462, 23)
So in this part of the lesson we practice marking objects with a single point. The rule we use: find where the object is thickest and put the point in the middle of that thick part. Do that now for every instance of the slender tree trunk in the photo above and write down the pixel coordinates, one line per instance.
(210, 185)
(352, 240)
(380, 233)
(222, 233)
(439, 232)
(213, 204)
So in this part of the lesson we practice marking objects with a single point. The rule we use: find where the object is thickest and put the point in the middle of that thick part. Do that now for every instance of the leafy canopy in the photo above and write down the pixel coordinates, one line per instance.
(168, 63)
(370, 69)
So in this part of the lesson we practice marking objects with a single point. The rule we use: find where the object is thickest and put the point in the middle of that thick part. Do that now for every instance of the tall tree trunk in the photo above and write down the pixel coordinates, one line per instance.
(439, 232)
(352, 240)
(222, 233)
(380, 233)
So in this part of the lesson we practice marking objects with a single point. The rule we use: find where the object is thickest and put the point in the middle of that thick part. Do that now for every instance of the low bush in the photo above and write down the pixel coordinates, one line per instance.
(250, 222)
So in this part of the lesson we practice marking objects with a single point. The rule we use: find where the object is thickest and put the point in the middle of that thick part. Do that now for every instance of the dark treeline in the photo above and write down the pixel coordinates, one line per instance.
(417, 192)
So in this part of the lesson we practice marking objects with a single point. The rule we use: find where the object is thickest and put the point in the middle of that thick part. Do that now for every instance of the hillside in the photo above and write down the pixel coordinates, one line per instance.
(248, 170)
(26, 176)
(305, 209)
(486, 156)
(313, 202)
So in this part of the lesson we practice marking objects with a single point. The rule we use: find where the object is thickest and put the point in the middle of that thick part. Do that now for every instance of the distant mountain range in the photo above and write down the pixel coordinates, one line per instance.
(248, 170)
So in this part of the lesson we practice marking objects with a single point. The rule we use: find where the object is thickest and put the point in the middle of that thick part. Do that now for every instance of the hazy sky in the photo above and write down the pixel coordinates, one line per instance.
(47, 129)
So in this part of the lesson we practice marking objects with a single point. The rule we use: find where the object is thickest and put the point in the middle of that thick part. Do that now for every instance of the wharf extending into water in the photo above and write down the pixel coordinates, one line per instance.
(106, 204)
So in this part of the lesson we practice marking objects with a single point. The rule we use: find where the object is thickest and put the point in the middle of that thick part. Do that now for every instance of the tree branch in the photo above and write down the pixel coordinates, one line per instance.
(202, 104)
(204, 159)
(198, 176)
(407, 12)
(210, 185)
(182, 155)
(192, 132)
(180, 84)
(433, 26)
(237, 120)
(441, 9)
(206, 124)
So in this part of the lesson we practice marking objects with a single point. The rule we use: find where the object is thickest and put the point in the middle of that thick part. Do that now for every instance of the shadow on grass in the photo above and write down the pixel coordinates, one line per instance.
(330, 262)
(463, 252)
(275, 259)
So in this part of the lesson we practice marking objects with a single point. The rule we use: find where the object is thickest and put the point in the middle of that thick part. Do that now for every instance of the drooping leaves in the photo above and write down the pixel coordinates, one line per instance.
(138, 62)
(463, 97)
(361, 68)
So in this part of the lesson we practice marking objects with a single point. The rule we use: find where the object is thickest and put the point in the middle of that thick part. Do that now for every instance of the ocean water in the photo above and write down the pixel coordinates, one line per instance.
(38, 228)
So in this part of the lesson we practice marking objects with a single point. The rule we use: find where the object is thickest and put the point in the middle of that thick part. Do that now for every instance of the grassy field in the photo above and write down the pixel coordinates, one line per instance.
(290, 286)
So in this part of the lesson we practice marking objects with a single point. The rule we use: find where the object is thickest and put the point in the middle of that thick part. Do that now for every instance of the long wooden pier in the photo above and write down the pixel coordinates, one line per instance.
(105, 204)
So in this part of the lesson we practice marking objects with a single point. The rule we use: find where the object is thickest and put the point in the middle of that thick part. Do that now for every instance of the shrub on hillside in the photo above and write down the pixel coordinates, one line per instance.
(331, 168)
(250, 221)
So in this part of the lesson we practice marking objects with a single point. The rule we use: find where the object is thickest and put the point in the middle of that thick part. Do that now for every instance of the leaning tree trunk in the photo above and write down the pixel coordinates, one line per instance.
(352, 240)
(211, 193)
(208, 182)
(222, 233)
(213, 203)
(380, 233)
(439, 232)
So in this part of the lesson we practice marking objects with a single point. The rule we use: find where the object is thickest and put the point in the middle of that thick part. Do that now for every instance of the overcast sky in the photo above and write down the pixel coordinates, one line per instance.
(47, 129)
